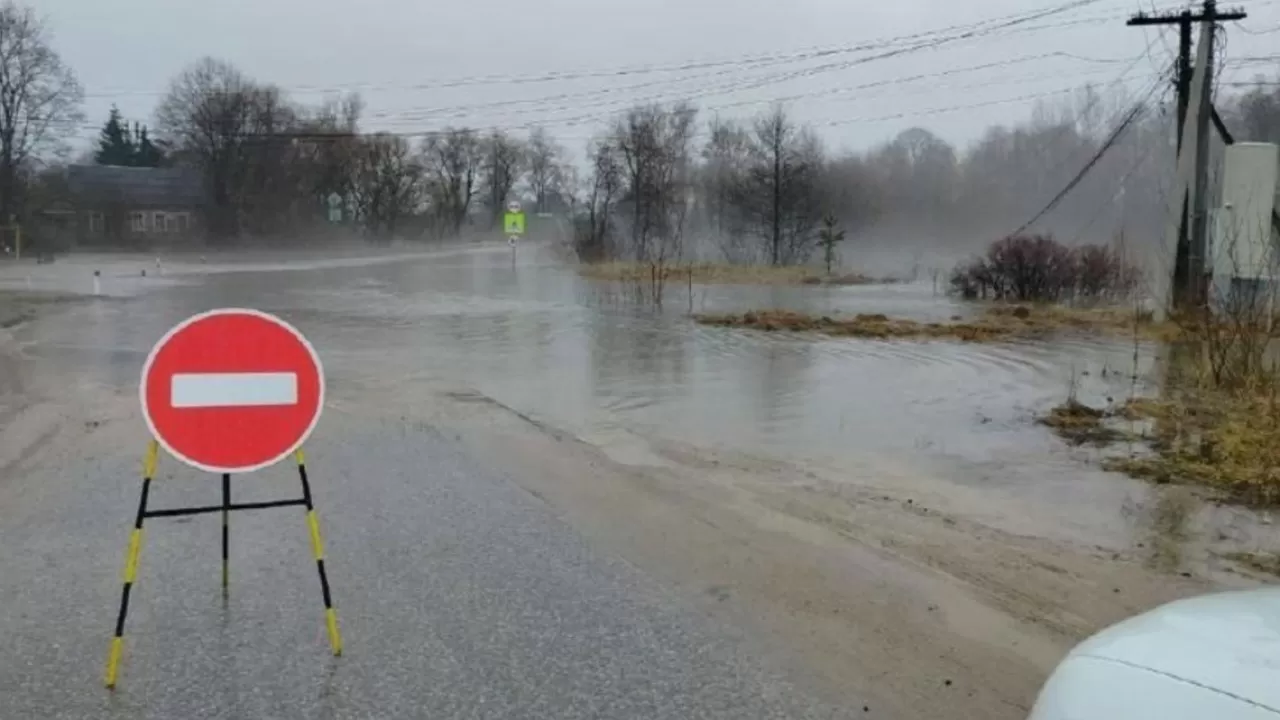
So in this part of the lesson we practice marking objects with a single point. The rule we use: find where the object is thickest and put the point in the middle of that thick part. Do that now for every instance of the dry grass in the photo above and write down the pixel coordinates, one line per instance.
(1110, 320)
(996, 322)
(1078, 424)
(1228, 441)
(878, 327)
(720, 273)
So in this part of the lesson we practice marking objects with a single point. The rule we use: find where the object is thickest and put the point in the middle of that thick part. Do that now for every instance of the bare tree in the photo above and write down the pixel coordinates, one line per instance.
(39, 98)
(327, 145)
(724, 159)
(225, 123)
(546, 173)
(653, 146)
(386, 183)
(593, 226)
(452, 162)
(504, 158)
(777, 195)
(269, 189)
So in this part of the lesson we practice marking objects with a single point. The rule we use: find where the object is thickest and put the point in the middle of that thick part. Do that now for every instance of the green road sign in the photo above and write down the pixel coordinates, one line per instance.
(513, 223)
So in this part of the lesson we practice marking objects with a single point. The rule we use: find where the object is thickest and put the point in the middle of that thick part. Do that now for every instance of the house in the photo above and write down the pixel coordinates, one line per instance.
(136, 206)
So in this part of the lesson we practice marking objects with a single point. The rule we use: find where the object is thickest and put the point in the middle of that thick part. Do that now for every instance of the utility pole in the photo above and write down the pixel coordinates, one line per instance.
(1188, 288)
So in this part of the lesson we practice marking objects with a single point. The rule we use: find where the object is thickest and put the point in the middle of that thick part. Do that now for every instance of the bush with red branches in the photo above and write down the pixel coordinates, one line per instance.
(1037, 268)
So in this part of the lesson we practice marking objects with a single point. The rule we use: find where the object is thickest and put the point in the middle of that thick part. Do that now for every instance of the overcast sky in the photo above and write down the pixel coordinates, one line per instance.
(394, 51)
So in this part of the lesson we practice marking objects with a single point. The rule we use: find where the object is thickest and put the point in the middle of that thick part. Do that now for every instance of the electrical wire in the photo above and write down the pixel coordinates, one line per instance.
(964, 30)
(1008, 24)
(1123, 185)
(1269, 31)
(458, 110)
(774, 79)
(826, 93)
(980, 29)
(724, 89)
(1097, 156)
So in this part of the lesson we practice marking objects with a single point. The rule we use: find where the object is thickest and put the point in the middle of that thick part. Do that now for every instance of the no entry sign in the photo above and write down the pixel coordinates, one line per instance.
(232, 390)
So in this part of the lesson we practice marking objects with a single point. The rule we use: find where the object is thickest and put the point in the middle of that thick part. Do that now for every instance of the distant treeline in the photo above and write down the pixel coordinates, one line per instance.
(658, 183)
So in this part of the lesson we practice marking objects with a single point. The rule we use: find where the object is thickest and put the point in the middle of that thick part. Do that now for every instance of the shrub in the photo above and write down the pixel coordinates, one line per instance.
(1037, 268)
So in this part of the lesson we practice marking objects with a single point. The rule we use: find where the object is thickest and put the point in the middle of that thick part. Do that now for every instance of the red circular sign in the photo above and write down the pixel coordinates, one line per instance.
(232, 390)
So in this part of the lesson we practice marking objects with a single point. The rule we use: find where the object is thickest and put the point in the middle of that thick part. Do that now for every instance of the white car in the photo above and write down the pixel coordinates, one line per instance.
(1213, 657)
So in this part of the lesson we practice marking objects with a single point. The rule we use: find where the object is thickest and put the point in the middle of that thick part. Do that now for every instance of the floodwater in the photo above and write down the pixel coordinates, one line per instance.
(526, 330)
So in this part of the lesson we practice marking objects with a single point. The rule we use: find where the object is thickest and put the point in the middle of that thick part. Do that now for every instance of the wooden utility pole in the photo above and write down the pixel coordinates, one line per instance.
(1188, 289)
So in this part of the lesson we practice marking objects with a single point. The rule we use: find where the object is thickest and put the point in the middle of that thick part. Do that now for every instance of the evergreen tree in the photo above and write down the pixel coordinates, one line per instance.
(828, 237)
(114, 145)
(147, 154)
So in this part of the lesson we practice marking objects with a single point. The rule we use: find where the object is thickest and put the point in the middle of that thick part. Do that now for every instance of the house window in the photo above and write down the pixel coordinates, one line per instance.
(171, 223)
(137, 222)
(95, 223)
(184, 221)
(158, 222)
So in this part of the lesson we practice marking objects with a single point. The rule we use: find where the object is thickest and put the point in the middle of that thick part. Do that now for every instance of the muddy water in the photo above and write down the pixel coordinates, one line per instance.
(527, 331)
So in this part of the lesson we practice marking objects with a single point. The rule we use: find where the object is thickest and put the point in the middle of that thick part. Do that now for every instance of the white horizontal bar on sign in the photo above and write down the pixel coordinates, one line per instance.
(206, 390)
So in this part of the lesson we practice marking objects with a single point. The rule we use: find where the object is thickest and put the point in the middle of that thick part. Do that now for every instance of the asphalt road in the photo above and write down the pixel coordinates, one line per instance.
(459, 595)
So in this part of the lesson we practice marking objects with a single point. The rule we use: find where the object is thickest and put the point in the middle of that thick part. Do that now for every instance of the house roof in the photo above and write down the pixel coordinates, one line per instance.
(137, 187)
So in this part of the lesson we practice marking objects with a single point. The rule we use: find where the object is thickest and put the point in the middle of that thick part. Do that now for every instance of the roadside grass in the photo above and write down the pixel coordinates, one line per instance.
(994, 322)
(874, 326)
(1226, 440)
(723, 273)
(1216, 430)
(1078, 424)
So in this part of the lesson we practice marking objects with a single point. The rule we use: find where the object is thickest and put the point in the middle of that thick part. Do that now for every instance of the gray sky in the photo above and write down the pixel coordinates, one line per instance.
(125, 52)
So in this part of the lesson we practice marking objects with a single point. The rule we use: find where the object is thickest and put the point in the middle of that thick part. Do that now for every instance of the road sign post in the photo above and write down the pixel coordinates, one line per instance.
(228, 391)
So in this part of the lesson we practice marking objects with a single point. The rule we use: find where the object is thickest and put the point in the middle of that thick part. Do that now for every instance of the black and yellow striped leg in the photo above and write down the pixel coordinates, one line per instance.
(131, 565)
(226, 539)
(317, 548)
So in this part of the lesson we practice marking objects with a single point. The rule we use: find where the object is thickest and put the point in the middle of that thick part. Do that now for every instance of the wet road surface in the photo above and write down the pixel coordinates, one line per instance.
(459, 593)
(459, 596)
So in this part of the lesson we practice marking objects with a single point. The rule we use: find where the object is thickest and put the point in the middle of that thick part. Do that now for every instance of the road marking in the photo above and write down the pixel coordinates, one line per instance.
(204, 390)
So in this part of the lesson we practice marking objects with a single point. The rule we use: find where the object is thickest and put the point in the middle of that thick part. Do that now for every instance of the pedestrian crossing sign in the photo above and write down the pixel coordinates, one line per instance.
(513, 223)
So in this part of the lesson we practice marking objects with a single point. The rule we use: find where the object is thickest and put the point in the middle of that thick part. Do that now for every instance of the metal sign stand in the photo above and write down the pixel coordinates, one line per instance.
(135, 548)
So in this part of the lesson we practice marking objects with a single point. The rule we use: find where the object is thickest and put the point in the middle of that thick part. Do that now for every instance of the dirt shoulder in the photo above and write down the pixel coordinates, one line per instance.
(868, 586)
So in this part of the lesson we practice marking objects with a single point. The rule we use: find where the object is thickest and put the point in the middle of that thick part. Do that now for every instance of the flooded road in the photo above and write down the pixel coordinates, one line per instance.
(537, 337)
(821, 492)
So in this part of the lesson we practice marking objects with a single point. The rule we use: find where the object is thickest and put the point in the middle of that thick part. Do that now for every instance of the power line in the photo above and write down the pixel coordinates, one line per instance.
(773, 79)
(427, 112)
(722, 106)
(969, 31)
(1123, 184)
(951, 108)
(1241, 27)
(1102, 150)
(1009, 24)
(581, 119)
(684, 66)
(675, 95)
